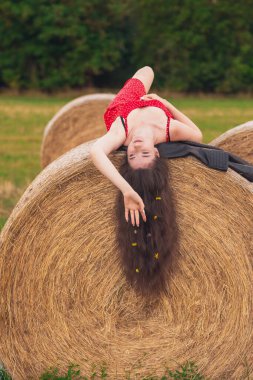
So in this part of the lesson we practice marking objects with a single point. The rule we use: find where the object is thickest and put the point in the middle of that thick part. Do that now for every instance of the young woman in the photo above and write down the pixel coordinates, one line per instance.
(139, 121)
(147, 124)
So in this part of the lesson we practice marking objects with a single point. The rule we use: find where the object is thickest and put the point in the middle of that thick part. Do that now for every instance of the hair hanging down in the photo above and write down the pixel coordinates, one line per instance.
(147, 251)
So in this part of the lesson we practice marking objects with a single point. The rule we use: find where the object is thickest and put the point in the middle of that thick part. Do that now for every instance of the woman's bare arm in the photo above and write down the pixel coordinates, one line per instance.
(99, 151)
(182, 128)
(111, 141)
(105, 166)
(182, 132)
(180, 116)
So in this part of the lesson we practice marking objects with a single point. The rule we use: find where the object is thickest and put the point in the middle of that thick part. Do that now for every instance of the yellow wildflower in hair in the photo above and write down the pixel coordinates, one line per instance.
(134, 244)
(158, 198)
(157, 255)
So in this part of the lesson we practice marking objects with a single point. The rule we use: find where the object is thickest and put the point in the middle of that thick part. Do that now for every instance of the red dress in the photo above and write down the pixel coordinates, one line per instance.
(127, 100)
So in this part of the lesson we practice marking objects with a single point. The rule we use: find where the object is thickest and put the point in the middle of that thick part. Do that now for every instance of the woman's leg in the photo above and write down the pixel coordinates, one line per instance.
(132, 90)
(146, 76)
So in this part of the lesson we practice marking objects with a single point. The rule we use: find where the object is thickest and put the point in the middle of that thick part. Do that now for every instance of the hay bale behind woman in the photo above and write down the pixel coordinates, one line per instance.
(238, 140)
(79, 121)
(64, 296)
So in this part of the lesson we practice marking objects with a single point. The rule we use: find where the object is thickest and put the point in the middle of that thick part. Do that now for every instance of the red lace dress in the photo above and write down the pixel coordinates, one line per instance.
(127, 100)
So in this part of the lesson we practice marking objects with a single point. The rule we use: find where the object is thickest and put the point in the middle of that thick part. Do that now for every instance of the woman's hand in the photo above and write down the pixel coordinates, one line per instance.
(134, 204)
(165, 102)
(152, 96)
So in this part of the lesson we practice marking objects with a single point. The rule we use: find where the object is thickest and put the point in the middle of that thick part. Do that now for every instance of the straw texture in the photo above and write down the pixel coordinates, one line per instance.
(79, 121)
(238, 140)
(64, 297)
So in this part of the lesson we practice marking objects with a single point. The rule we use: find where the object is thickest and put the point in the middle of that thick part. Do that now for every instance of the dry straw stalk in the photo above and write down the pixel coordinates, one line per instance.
(65, 299)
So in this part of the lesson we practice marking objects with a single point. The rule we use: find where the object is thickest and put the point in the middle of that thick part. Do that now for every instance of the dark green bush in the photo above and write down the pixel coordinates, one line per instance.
(193, 45)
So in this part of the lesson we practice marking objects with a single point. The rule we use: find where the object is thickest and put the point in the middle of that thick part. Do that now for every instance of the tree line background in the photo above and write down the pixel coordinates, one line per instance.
(192, 45)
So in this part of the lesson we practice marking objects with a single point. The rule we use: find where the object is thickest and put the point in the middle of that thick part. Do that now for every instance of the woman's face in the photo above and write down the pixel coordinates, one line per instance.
(141, 153)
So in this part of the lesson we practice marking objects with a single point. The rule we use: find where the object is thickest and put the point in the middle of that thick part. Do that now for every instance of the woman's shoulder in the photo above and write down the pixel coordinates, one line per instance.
(180, 131)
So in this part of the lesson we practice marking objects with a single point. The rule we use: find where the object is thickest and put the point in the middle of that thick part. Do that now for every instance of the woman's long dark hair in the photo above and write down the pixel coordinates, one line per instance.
(147, 251)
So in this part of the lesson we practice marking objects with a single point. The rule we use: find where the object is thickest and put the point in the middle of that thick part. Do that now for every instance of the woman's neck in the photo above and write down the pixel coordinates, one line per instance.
(144, 131)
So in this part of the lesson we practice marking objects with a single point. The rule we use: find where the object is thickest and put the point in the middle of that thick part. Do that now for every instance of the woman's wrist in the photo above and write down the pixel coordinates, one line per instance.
(125, 188)
(168, 104)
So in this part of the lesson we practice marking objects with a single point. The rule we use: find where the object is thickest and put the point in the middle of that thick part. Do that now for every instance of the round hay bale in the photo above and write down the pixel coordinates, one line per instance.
(238, 140)
(65, 299)
(79, 121)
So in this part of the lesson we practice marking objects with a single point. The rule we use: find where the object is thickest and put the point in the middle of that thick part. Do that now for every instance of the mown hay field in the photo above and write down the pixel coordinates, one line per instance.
(23, 119)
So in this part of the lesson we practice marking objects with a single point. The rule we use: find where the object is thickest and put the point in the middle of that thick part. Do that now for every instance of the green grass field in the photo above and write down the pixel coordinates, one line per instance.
(23, 119)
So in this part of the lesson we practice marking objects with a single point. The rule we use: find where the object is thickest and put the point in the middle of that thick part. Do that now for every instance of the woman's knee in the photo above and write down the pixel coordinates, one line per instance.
(144, 71)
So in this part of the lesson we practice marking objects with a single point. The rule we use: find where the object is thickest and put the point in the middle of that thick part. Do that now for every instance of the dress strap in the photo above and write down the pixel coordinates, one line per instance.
(124, 124)
(167, 129)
